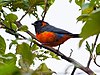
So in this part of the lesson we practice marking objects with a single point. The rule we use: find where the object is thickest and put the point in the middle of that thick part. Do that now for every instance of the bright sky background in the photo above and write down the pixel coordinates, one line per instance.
(62, 14)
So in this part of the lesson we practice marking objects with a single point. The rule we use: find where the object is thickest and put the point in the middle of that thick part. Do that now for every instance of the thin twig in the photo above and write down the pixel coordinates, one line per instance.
(96, 40)
(90, 58)
(45, 10)
(74, 70)
(23, 16)
(66, 70)
(95, 61)
(26, 12)
(71, 53)
(89, 61)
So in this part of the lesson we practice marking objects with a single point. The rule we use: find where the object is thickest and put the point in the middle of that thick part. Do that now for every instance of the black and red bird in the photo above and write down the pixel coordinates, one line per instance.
(51, 36)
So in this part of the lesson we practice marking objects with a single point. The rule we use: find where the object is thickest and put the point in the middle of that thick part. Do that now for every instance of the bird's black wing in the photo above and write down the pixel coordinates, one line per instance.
(58, 30)
(55, 29)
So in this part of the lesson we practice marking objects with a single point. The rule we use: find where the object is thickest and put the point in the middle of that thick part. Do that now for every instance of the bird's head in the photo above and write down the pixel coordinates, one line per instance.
(39, 25)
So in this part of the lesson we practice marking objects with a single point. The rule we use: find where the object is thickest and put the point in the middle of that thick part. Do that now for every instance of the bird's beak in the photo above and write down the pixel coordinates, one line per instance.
(33, 24)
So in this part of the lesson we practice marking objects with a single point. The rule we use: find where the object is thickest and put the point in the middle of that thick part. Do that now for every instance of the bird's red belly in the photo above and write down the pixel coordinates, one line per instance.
(50, 39)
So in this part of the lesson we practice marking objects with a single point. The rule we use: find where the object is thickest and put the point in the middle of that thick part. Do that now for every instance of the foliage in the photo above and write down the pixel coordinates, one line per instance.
(29, 52)
(42, 70)
(90, 14)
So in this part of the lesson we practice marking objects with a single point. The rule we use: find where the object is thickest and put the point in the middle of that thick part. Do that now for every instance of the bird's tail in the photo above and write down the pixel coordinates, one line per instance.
(75, 35)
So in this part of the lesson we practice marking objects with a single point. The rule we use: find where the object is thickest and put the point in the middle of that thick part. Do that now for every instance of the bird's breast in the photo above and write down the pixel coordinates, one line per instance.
(52, 39)
(46, 37)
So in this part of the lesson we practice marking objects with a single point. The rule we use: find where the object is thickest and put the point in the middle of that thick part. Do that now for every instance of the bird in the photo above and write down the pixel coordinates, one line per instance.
(50, 35)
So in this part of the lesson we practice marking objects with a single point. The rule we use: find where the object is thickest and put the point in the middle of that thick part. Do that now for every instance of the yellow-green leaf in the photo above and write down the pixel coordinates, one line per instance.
(25, 51)
(79, 2)
(8, 69)
(42, 70)
(2, 45)
(98, 49)
(86, 9)
(92, 26)
(54, 56)
(11, 17)
(23, 28)
(14, 26)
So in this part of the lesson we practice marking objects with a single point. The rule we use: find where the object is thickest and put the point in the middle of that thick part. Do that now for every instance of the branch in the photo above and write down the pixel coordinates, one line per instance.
(45, 10)
(76, 64)
(23, 16)
(28, 32)
(89, 61)
(96, 40)
(90, 58)
(71, 53)
(27, 12)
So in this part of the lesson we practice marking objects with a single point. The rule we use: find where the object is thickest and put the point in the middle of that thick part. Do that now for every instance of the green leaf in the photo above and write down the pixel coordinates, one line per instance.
(9, 21)
(8, 58)
(88, 48)
(42, 57)
(2, 3)
(35, 2)
(83, 17)
(12, 43)
(41, 3)
(86, 9)
(54, 56)
(49, 3)
(34, 47)
(92, 2)
(0, 7)
(2, 45)
(42, 70)
(70, 1)
(14, 5)
(46, 52)
(79, 2)
(25, 51)
(6, 23)
(98, 49)
(11, 17)
(23, 64)
(91, 27)
(23, 28)
(8, 69)
(14, 26)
